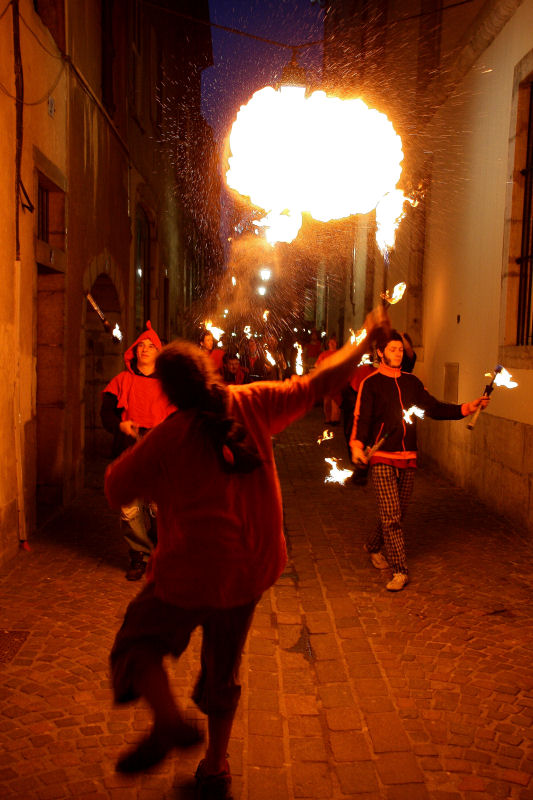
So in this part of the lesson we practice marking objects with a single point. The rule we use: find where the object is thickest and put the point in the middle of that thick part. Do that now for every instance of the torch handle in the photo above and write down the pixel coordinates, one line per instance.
(473, 419)
(375, 447)
(471, 424)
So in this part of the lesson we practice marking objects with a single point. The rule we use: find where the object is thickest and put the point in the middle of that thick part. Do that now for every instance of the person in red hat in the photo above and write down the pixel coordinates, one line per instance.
(132, 404)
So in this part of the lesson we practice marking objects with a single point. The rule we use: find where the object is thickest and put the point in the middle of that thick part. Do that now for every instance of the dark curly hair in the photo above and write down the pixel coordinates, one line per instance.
(190, 381)
(384, 337)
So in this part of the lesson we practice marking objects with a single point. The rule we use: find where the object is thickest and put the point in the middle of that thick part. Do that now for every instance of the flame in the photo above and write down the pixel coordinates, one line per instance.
(357, 338)
(397, 294)
(217, 332)
(275, 160)
(503, 378)
(389, 213)
(270, 358)
(248, 332)
(325, 436)
(366, 359)
(418, 412)
(265, 314)
(117, 333)
(337, 475)
(234, 280)
(299, 362)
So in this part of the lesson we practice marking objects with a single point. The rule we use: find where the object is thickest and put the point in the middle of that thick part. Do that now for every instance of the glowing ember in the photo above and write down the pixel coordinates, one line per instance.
(217, 332)
(276, 163)
(418, 412)
(503, 378)
(337, 475)
(234, 280)
(325, 436)
(357, 338)
(265, 314)
(270, 358)
(299, 362)
(117, 333)
(248, 332)
(397, 294)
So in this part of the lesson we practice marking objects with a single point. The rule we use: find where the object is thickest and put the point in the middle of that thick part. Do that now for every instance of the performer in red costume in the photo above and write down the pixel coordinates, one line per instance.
(220, 540)
(132, 404)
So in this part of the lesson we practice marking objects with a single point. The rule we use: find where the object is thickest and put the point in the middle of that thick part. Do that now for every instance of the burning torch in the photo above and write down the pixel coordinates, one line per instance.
(115, 332)
(500, 377)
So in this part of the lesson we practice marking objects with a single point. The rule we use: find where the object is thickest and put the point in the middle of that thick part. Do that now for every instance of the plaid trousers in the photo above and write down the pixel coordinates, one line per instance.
(393, 487)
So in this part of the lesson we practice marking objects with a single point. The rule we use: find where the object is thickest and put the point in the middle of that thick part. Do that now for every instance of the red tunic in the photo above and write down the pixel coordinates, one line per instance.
(220, 535)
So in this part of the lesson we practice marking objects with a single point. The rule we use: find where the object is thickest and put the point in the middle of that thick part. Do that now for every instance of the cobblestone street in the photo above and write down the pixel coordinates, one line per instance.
(348, 690)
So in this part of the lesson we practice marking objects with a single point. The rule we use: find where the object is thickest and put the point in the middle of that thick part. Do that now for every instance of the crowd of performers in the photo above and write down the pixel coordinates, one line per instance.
(207, 469)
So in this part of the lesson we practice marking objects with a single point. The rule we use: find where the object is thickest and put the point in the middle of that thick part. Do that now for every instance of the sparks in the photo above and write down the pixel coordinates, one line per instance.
(234, 280)
(265, 314)
(503, 378)
(275, 162)
(337, 475)
(299, 362)
(117, 333)
(325, 436)
(248, 332)
(418, 412)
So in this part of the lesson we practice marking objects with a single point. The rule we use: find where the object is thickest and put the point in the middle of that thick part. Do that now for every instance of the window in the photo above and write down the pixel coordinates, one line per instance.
(142, 271)
(108, 56)
(524, 327)
(43, 213)
(50, 224)
(517, 276)
(52, 13)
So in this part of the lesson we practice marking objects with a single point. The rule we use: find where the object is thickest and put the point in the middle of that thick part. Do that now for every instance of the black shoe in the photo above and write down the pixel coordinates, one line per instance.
(137, 566)
(156, 746)
(212, 787)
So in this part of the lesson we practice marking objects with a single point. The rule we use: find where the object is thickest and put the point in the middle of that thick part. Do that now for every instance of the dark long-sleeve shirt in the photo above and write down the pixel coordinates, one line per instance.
(383, 397)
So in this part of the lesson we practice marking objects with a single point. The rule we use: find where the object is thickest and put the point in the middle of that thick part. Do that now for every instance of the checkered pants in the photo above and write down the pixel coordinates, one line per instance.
(393, 489)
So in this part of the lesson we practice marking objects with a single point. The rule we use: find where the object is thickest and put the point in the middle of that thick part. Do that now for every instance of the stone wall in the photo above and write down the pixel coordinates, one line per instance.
(494, 461)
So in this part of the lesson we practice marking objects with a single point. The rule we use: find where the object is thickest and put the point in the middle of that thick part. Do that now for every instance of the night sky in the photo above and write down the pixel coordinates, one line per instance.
(242, 65)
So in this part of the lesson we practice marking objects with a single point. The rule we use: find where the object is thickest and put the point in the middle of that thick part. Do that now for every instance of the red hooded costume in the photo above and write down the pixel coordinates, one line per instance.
(138, 397)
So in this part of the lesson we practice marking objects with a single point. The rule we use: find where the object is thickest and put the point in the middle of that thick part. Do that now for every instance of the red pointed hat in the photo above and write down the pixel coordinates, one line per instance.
(149, 333)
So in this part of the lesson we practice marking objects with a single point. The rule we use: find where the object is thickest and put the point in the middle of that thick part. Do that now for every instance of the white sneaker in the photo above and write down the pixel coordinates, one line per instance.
(399, 580)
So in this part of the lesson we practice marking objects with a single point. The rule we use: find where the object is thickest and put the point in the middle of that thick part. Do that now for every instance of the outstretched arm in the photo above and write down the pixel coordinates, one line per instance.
(335, 372)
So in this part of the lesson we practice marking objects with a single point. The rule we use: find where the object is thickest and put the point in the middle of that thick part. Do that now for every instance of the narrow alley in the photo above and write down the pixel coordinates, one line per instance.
(348, 691)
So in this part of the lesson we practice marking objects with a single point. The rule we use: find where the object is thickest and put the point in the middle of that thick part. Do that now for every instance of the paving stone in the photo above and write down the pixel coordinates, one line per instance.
(394, 768)
(357, 778)
(387, 733)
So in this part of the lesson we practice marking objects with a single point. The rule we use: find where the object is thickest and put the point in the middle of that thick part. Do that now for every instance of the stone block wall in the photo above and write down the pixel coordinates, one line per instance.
(494, 461)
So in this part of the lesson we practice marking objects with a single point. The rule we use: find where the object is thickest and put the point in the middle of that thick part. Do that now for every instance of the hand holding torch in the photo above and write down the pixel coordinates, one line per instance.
(360, 475)
(486, 393)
